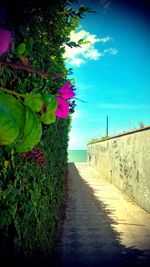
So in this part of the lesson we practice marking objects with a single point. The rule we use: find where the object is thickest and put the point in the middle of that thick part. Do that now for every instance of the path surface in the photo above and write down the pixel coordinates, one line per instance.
(102, 227)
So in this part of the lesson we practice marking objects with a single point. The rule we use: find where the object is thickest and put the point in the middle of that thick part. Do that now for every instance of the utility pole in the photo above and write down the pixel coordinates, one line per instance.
(107, 125)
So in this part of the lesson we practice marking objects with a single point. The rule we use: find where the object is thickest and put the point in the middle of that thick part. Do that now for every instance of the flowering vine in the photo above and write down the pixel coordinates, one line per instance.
(65, 93)
(21, 117)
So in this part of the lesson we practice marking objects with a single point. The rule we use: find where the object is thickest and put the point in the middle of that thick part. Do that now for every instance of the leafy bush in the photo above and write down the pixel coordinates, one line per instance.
(31, 196)
(31, 184)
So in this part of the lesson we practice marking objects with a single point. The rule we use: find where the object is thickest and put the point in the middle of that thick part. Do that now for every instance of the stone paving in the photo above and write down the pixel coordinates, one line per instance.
(102, 227)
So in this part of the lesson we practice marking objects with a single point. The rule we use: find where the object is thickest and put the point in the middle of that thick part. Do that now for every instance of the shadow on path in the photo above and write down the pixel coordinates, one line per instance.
(87, 237)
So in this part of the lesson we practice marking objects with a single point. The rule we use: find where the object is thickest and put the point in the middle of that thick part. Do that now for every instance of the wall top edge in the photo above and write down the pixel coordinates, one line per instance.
(120, 135)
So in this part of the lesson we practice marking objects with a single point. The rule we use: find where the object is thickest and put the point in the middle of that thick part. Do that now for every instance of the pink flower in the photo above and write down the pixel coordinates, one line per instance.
(63, 108)
(66, 91)
(5, 41)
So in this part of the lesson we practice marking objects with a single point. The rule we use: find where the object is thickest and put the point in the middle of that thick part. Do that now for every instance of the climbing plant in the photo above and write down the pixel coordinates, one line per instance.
(35, 103)
(21, 121)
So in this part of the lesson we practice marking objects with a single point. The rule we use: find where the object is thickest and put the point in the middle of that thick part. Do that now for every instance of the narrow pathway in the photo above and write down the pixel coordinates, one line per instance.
(102, 227)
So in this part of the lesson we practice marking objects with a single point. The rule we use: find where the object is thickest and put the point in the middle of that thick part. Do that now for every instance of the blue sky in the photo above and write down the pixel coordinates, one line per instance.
(112, 73)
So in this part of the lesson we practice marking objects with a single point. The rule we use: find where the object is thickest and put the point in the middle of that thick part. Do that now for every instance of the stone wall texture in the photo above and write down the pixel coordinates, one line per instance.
(125, 162)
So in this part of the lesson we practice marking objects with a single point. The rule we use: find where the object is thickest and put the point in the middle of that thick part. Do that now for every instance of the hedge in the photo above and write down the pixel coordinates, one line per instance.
(32, 183)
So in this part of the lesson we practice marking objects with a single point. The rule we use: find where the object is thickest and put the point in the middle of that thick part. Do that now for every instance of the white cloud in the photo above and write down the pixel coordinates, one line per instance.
(79, 55)
(111, 51)
(92, 54)
(76, 36)
(77, 61)
(105, 39)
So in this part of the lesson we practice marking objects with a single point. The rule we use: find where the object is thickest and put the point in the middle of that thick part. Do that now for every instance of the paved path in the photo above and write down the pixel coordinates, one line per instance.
(102, 227)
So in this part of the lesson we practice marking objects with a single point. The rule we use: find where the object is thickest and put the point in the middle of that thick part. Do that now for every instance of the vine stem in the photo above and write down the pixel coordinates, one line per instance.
(30, 69)
(12, 92)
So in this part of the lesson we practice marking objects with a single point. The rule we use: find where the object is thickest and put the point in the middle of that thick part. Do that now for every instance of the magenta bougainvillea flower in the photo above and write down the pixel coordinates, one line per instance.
(63, 108)
(5, 41)
(66, 91)
(64, 94)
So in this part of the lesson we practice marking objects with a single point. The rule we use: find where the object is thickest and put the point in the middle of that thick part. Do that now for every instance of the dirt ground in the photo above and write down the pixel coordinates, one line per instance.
(102, 227)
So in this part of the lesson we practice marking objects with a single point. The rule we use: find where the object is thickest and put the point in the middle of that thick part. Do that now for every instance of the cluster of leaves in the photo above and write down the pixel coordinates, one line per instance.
(21, 124)
(31, 196)
(17, 119)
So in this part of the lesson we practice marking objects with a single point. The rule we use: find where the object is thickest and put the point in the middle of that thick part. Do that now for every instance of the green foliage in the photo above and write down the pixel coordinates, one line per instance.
(11, 119)
(47, 101)
(49, 116)
(34, 101)
(72, 44)
(31, 195)
(104, 137)
(95, 140)
(81, 41)
(21, 49)
(31, 134)
(20, 124)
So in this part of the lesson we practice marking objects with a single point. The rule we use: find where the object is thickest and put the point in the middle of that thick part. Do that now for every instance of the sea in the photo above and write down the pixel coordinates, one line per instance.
(77, 155)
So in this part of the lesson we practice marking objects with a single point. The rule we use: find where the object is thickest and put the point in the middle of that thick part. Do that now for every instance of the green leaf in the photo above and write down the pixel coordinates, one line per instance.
(32, 132)
(49, 116)
(72, 44)
(8, 129)
(12, 119)
(21, 49)
(67, 38)
(53, 58)
(83, 8)
(82, 41)
(34, 101)
(74, 22)
(50, 101)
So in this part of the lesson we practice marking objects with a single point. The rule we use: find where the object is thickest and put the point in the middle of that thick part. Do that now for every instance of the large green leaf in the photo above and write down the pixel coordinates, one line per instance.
(49, 116)
(34, 101)
(12, 118)
(8, 129)
(32, 132)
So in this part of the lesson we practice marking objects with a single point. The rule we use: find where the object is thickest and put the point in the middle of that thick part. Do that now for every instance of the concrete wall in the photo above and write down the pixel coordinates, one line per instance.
(125, 162)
